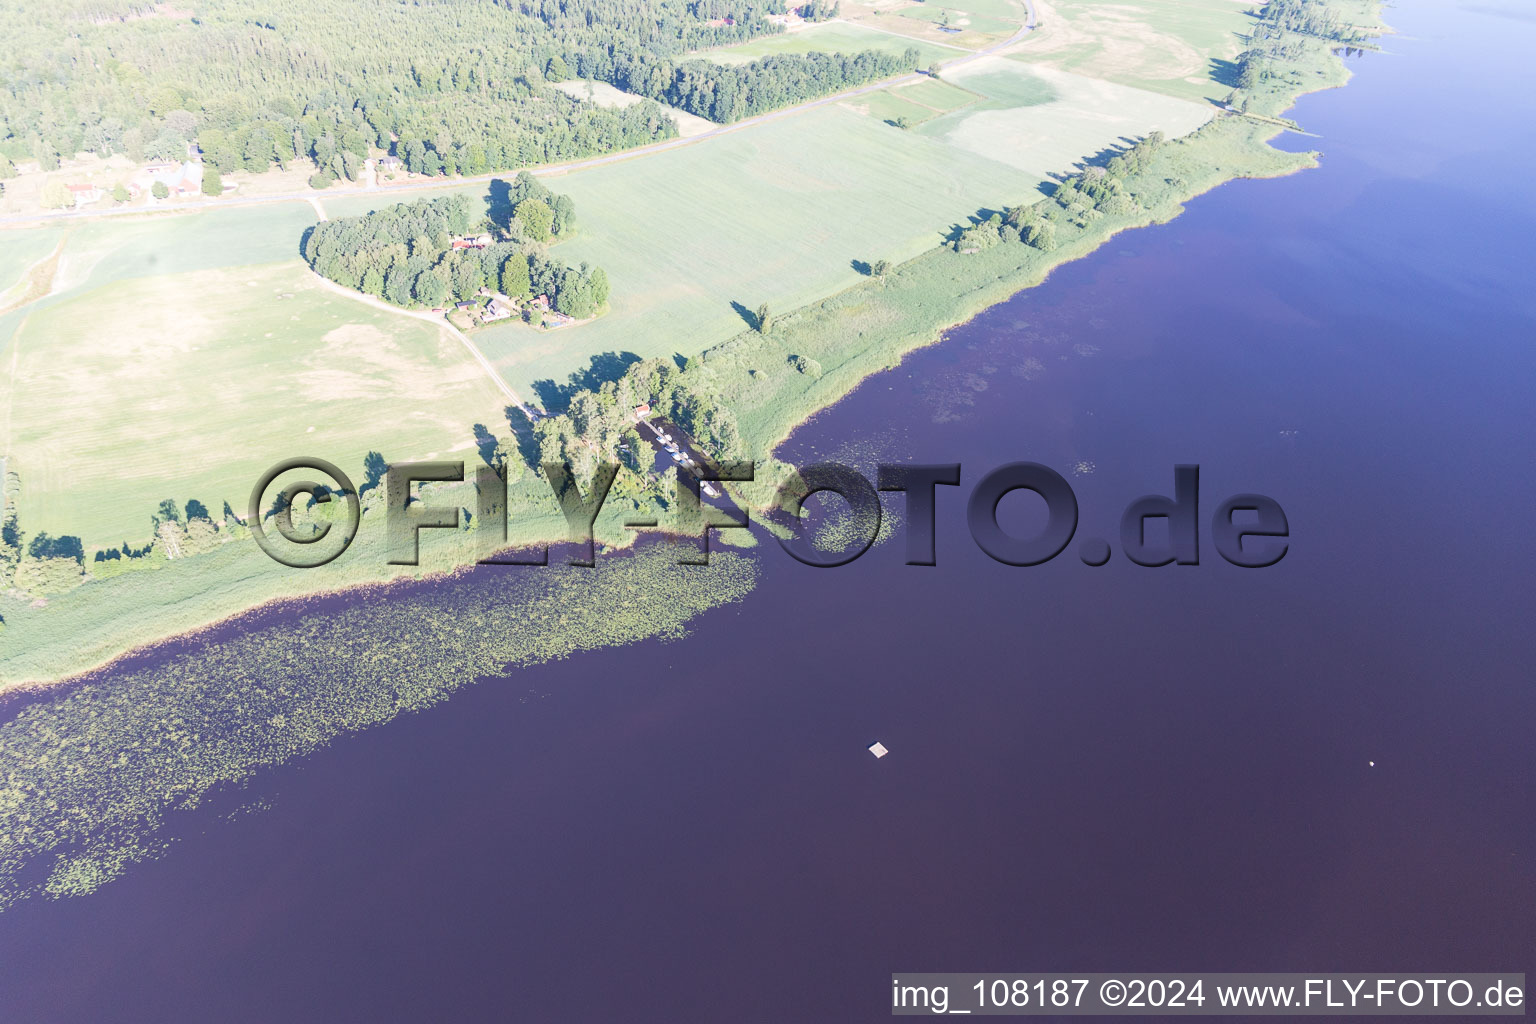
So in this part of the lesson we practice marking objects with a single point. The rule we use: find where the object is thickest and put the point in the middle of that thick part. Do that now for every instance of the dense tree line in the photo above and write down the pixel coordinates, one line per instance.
(404, 255)
(729, 92)
(461, 83)
(663, 28)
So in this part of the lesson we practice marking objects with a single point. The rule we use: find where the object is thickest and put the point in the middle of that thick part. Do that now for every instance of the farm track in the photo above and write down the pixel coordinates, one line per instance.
(439, 321)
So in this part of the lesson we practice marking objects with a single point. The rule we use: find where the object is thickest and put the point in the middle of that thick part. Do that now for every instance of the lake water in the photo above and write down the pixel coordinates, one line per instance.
(1113, 768)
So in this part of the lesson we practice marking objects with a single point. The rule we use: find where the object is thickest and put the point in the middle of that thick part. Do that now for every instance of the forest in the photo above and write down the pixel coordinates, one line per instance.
(404, 253)
(456, 87)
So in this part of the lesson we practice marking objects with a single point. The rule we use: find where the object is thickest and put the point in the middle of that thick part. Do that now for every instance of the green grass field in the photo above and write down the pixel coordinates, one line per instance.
(832, 37)
(189, 385)
(1042, 120)
(1182, 49)
(102, 251)
(917, 102)
(774, 213)
(938, 94)
(889, 105)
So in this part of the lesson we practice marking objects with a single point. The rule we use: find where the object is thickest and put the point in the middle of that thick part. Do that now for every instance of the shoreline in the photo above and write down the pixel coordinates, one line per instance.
(280, 604)
(775, 426)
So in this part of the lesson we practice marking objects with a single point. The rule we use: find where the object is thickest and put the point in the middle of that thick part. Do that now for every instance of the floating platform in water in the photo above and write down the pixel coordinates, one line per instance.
(878, 749)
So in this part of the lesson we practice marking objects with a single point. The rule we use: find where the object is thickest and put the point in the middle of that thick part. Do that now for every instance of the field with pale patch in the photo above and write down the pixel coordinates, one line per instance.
(1183, 49)
(1043, 120)
(189, 385)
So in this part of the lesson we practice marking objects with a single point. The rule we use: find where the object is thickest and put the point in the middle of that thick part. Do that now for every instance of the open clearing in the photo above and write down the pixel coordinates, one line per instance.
(774, 213)
(1042, 120)
(190, 385)
(605, 95)
(1183, 49)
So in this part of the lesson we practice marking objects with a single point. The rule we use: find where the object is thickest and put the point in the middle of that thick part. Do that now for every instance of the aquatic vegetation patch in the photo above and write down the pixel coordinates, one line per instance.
(90, 776)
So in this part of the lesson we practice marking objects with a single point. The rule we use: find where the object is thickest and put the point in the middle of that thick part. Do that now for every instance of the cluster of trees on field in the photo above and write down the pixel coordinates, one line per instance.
(724, 92)
(461, 85)
(45, 564)
(404, 255)
(820, 10)
(10, 530)
(1097, 191)
(597, 421)
(536, 213)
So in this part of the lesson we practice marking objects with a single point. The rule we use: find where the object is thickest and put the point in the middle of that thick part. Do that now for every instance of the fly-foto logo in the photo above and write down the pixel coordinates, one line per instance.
(1248, 530)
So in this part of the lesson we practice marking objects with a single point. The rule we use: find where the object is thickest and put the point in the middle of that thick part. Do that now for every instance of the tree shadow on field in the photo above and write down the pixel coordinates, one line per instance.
(374, 468)
(522, 430)
(485, 444)
(1224, 72)
(1052, 187)
(603, 367)
(304, 241)
(861, 267)
(498, 201)
(748, 317)
(555, 398)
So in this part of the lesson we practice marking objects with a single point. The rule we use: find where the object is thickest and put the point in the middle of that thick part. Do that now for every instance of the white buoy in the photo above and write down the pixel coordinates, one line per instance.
(878, 749)
(1371, 763)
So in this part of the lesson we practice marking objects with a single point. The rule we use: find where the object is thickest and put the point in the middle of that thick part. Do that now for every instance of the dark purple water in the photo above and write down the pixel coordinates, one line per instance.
(1091, 769)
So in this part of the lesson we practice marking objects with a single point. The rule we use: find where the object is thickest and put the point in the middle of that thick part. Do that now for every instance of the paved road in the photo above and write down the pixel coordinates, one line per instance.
(549, 169)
